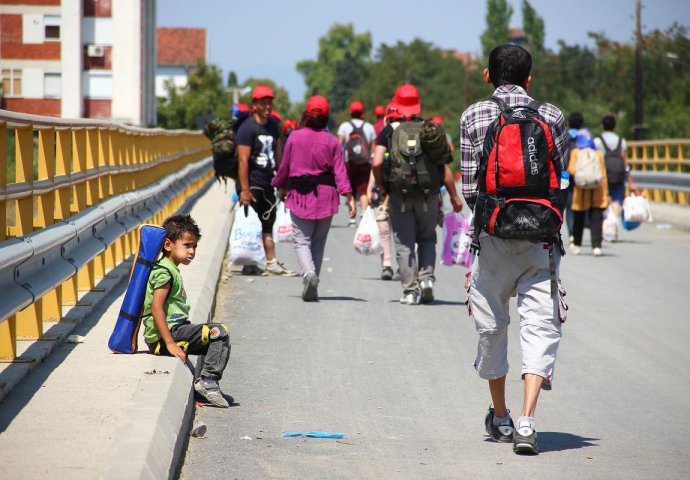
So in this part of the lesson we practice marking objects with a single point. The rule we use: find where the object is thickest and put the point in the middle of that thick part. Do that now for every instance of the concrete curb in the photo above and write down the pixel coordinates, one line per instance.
(161, 411)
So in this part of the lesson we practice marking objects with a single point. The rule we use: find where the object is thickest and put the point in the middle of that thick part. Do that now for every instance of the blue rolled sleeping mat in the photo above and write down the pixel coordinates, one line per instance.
(124, 336)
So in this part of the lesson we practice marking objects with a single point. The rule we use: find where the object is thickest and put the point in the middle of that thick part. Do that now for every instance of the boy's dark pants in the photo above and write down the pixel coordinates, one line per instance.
(210, 339)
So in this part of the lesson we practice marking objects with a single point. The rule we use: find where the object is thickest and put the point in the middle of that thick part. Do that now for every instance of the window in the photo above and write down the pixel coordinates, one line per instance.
(52, 85)
(51, 28)
(11, 82)
(98, 85)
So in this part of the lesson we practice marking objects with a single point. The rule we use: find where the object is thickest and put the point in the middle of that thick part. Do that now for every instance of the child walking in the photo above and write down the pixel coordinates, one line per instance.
(166, 313)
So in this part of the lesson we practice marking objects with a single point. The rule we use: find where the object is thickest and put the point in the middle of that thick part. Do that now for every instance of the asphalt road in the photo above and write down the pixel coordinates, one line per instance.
(398, 382)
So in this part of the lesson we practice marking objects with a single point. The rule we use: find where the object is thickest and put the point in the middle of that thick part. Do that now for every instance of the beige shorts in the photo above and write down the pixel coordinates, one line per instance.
(507, 268)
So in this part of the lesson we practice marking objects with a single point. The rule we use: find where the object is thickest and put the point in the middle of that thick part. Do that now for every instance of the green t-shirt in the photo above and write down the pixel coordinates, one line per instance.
(176, 306)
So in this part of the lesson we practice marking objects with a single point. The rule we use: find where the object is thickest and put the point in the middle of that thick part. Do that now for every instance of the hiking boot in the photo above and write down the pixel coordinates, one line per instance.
(427, 287)
(210, 392)
(502, 433)
(387, 273)
(411, 298)
(525, 439)
(311, 283)
(252, 270)
(596, 252)
(278, 269)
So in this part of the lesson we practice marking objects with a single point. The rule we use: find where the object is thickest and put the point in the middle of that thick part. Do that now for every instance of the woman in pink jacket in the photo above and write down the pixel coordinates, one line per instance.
(311, 176)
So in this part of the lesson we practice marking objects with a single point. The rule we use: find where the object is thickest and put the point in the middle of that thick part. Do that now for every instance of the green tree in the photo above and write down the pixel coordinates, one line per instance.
(498, 14)
(201, 99)
(340, 67)
(533, 25)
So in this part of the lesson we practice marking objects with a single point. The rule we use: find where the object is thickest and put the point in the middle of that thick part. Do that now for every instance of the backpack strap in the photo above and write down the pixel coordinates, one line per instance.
(606, 147)
(502, 105)
(620, 143)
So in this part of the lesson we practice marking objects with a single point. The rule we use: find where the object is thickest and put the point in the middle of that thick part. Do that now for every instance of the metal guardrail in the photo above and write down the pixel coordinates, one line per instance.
(80, 189)
(661, 168)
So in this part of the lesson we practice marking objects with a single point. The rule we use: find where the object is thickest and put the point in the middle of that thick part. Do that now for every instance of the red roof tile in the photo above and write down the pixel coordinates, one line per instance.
(181, 46)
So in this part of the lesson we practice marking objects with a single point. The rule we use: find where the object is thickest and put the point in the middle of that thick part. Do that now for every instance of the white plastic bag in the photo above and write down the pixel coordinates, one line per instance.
(636, 209)
(282, 228)
(246, 246)
(367, 239)
(610, 227)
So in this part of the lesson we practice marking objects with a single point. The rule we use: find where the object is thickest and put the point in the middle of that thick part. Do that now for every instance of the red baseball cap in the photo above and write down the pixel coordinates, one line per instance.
(392, 111)
(276, 115)
(437, 120)
(317, 105)
(379, 110)
(262, 91)
(407, 99)
(356, 107)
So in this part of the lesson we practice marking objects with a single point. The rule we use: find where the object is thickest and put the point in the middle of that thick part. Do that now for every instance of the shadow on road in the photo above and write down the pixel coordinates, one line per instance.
(559, 441)
(353, 299)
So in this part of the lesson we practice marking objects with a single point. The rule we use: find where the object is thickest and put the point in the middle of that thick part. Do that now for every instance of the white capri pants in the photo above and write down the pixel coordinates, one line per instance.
(502, 269)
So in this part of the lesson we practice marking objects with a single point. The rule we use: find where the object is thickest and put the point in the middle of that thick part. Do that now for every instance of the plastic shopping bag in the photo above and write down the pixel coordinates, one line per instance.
(610, 227)
(636, 209)
(246, 246)
(282, 228)
(456, 240)
(367, 239)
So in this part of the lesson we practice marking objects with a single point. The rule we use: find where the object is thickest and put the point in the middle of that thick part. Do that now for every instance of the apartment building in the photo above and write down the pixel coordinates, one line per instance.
(79, 58)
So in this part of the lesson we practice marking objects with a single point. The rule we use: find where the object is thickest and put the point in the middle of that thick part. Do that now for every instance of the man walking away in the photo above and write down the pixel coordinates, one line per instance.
(504, 266)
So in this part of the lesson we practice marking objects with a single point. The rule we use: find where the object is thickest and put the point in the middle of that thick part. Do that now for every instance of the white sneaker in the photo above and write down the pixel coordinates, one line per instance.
(426, 285)
(596, 252)
(574, 249)
(411, 298)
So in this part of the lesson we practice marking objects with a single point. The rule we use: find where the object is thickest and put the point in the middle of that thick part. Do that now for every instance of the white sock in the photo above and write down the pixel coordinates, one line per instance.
(526, 422)
(272, 262)
(502, 420)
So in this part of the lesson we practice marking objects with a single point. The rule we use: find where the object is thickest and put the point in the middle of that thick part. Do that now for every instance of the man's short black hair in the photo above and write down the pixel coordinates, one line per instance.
(509, 65)
(177, 225)
(317, 122)
(576, 120)
(608, 122)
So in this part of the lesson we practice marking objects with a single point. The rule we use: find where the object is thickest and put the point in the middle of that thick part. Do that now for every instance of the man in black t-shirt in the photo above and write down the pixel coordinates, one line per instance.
(258, 153)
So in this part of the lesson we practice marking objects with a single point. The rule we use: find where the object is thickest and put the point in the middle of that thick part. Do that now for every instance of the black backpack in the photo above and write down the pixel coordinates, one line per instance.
(357, 146)
(615, 165)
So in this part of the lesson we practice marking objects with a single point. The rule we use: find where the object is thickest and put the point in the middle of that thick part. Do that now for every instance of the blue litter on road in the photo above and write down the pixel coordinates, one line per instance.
(314, 434)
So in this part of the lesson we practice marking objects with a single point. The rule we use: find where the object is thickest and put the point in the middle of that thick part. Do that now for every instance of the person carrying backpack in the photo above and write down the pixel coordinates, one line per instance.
(358, 139)
(613, 148)
(259, 152)
(515, 197)
(589, 194)
(412, 182)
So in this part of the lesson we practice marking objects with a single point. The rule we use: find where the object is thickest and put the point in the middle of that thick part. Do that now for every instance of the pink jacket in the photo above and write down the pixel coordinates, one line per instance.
(313, 152)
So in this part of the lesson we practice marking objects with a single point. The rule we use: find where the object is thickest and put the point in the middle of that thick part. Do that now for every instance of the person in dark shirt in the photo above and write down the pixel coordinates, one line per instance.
(258, 152)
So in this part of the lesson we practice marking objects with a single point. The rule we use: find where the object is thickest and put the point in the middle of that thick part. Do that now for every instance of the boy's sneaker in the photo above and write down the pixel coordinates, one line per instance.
(574, 249)
(411, 298)
(311, 283)
(211, 393)
(387, 273)
(502, 433)
(596, 252)
(525, 439)
(278, 269)
(352, 222)
(252, 270)
(427, 287)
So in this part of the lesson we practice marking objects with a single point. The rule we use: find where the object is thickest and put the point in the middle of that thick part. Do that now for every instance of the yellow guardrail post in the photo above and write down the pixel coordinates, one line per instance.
(3, 181)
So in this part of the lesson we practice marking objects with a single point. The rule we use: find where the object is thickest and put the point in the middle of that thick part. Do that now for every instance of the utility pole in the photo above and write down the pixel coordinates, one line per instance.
(638, 132)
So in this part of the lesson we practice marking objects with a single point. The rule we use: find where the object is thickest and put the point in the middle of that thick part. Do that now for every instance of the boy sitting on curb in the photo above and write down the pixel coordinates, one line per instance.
(166, 313)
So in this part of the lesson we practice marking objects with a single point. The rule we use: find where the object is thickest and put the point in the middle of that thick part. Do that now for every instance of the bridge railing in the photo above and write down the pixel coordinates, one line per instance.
(661, 168)
(72, 193)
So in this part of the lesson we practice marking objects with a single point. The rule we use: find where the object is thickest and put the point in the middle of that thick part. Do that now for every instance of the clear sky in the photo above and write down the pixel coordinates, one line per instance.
(266, 38)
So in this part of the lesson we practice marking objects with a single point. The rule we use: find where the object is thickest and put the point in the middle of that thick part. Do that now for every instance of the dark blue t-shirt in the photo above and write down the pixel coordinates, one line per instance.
(263, 140)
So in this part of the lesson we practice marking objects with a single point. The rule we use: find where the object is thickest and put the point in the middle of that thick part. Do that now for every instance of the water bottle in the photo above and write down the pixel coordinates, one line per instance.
(565, 180)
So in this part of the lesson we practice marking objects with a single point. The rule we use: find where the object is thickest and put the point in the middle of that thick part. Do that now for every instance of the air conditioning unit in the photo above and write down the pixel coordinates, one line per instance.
(95, 50)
